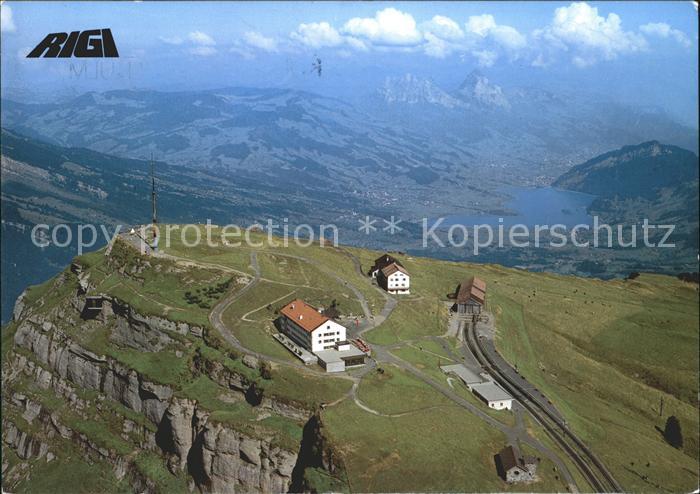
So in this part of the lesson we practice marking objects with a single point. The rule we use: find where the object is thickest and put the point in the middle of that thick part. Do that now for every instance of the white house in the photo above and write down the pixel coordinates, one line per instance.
(308, 328)
(382, 262)
(394, 279)
(493, 395)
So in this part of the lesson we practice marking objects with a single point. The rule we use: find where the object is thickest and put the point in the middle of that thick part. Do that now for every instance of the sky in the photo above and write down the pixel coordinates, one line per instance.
(642, 53)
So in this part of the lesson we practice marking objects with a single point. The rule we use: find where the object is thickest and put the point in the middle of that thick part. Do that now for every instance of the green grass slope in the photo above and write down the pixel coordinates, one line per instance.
(605, 352)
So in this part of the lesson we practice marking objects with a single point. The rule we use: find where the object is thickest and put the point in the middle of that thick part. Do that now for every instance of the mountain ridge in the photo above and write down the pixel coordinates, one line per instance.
(649, 180)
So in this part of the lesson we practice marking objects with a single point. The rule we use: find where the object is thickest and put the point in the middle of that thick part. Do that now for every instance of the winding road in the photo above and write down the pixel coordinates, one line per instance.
(381, 354)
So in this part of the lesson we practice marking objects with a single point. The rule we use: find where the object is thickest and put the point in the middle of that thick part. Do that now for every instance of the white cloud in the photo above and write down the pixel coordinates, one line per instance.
(579, 27)
(7, 23)
(242, 51)
(198, 43)
(540, 61)
(436, 47)
(508, 37)
(442, 36)
(481, 24)
(444, 28)
(577, 30)
(663, 30)
(485, 58)
(485, 26)
(201, 39)
(387, 27)
(202, 51)
(357, 44)
(583, 62)
(260, 41)
(317, 35)
(175, 40)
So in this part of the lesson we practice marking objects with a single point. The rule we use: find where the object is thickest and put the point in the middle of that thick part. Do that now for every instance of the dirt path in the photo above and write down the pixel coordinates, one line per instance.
(244, 317)
(381, 354)
(166, 308)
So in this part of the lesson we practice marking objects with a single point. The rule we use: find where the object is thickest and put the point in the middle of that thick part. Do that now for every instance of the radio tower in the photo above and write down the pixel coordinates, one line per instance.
(154, 244)
(153, 191)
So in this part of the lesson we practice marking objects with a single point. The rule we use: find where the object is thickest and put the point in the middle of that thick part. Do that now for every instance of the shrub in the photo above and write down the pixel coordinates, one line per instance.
(672, 432)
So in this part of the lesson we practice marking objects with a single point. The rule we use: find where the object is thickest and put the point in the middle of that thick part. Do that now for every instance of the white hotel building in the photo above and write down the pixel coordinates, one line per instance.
(308, 328)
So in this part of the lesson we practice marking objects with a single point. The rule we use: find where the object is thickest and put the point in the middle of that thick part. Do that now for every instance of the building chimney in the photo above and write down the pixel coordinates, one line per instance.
(301, 316)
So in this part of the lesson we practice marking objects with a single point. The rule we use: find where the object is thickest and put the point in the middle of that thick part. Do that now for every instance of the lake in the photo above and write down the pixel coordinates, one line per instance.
(534, 206)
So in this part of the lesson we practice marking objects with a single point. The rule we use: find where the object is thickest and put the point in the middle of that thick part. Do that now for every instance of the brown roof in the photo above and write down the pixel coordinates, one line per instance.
(479, 283)
(509, 457)
(392, 268)
(306, 316)
(383, 261)
(473, 288)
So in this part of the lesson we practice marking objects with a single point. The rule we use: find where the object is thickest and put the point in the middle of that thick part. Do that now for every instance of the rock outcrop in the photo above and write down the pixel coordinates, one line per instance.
(18, 309)
(218, 457)
(66, 360)
(232, 462)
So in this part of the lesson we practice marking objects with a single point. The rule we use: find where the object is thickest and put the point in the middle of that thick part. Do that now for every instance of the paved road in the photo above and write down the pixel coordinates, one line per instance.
(390, 302)
(217, 321)
(380, 354)
(360, 297)
(216, 315)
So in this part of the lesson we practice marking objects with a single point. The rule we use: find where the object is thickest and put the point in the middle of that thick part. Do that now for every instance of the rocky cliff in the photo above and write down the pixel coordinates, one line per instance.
(60, 393)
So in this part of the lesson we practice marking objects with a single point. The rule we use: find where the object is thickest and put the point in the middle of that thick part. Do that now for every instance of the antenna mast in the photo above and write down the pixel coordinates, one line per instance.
(153, 191)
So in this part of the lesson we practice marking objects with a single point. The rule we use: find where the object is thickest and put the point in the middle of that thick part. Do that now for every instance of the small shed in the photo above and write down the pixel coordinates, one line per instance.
(471, 296)
(513, 467)
(493, 395)
(93, 306)
(468, 376)
(342, 356)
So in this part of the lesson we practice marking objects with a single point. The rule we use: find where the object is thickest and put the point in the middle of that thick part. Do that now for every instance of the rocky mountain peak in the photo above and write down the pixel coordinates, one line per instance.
(412, 89)
(476, 87)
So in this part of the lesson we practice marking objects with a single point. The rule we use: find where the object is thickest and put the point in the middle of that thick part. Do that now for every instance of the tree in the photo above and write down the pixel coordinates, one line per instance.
(333, 312)
(672, 432)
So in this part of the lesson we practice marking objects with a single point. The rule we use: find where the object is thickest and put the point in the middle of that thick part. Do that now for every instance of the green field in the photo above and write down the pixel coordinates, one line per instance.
(416, 450)
(605, 352)
(411, 319)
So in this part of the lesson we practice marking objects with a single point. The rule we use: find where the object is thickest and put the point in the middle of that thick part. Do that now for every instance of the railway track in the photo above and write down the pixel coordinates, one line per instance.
(597, 475)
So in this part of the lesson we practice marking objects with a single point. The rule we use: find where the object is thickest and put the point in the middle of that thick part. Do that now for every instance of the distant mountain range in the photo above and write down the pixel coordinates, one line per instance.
(47, 184)
(285, 134)
(522, 124)
(410, 130)
(412, 150)
(413, 90)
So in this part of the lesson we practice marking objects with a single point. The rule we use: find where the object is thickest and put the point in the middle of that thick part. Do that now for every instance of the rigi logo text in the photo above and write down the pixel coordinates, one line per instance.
(94, 43)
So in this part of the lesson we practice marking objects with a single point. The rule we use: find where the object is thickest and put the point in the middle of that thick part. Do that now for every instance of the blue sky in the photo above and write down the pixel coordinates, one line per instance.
(643, 53)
